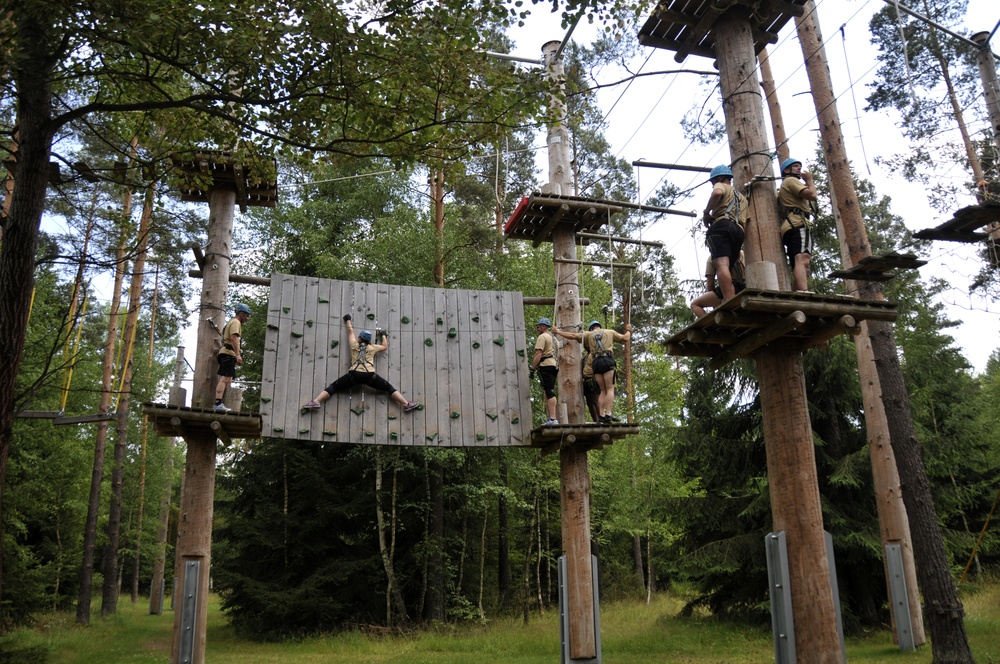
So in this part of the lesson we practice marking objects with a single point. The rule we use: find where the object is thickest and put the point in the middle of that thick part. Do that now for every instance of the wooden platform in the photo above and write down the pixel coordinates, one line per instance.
(255, 184)
(755, 318)
(877, 268)
(586, 436)
(179, 421)
(685, 26)
(963, 227)
(537, 215)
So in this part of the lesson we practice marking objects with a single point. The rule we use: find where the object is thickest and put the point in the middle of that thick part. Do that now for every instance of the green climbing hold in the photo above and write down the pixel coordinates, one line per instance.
(428, 341)
(499, 340)
(475, 319)
(357, 411)
(515, 420)
(369, 434)
(278, 429)
(475, 344)
(327, 432)
(455, 415)
(405, 320)
(431, 437)
(393, 435)
(303, 430)
(334, 343)
(265, 399)
(480, 436)
(286, 309)
(323, 300)
(272, 326)
(296, 334)
(309, 323)
(392, 417)
(521, 352)
(440, 321)
(491, 416)
(371, 316)
(452, 333)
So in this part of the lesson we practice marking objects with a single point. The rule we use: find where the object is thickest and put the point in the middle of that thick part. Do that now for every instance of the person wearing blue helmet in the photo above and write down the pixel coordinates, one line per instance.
(544, 362)
(362, 371)
(724, 218)
(599, 344)
(230, 355)
(796, 199)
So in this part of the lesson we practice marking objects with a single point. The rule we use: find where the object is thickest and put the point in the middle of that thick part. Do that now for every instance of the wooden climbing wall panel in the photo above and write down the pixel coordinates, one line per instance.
(459, 353)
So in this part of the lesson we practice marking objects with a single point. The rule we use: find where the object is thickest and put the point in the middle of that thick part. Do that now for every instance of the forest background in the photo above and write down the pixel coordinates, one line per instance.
(304, 532)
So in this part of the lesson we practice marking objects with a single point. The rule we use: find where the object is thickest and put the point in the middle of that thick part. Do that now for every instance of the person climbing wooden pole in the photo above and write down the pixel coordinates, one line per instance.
(791, 459)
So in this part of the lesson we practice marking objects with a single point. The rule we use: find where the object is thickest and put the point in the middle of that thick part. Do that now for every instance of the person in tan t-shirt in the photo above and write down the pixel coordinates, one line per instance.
(230, 356)
(544, 362)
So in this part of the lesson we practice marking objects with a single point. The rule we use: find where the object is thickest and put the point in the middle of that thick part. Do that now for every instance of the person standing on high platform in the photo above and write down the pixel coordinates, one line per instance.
(544, 362)
(724, 217)
(796, 200)
(230, 356)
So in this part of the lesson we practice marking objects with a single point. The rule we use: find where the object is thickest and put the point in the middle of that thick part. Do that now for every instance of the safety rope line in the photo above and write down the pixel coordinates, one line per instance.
(68, 379)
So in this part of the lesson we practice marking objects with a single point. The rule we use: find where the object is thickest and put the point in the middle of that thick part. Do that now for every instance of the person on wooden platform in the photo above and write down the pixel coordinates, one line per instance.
(229, 356)
(362, 371)
(713, 296)
(544, 363)
(796, 200)
(599, 343)
(725, 217)
(591, 392)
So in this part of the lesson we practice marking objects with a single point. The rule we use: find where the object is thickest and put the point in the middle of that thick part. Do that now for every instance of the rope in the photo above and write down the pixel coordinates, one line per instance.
(76, 350)
(906, 56)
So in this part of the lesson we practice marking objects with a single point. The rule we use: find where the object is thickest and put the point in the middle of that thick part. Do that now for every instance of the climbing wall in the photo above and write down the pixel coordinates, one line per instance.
(459, 353)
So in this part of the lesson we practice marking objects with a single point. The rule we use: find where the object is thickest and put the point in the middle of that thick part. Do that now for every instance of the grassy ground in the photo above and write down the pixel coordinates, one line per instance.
(632, 633)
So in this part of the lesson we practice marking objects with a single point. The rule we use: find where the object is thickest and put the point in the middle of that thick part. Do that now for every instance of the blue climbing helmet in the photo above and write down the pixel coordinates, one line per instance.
(365, 336)
(242, 309)
(720, 170)
(593, 324)
(544, 321)
(788, 162)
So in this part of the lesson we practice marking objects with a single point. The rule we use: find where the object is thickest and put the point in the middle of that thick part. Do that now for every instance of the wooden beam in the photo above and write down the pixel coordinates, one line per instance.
(735, 319)
(574, 261)
(843, 325)
(84, 419)
(235, 278)
(38, 414)
(549, 300)
(862, 310)
(221, 433)
(721, 337)
(792, 321)
(199, 255)
(616, 238)
(553, 221)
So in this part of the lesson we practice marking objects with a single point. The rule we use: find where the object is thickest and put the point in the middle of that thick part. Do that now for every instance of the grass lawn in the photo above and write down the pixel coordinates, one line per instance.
(632, 633)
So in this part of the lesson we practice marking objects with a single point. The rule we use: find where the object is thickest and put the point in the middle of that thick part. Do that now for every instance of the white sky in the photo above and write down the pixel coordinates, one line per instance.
(644, 123)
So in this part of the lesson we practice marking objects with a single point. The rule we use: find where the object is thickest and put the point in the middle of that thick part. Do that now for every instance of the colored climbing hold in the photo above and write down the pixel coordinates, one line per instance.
(371, 316)
(393, 435)
(272, 326)
(440, 321)
(309, 323)
(323, 300)
(431, 437)
(278, 429)
(515, 420)
(428, 341)
(521, 352)
(480, 436)
(296, 334)
(265, 399)
(327, 432)
(499, 340)
(303, 430)
(475, 319)
(405, 320)
(452, 333)
(286, 309)
(369, 434)
(358, 411)
(392, 417)
(475, 344)
(491, 416)
(455, 415)
(334, 343)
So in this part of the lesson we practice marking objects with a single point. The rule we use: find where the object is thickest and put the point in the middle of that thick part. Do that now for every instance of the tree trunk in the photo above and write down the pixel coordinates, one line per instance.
(942, 610)
(33, 82)
(109, 600)
(434, 608)
(163, 520)
(392, 592)
(503, 541)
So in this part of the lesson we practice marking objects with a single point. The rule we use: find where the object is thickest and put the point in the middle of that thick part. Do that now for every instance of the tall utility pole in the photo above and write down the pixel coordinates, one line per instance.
(893, 525)
(574, 476)
(194, 528)
(991, 89)
(791, 456)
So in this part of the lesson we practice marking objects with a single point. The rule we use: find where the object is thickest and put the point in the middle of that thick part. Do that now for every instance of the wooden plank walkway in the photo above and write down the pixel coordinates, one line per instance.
(458, 353)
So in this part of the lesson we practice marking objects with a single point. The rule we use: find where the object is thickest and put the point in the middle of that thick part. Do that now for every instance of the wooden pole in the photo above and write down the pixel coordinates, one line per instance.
(194, 535)
(791, 457)
(893, 524)
(991, 89)
(773, 105)
(574, 477)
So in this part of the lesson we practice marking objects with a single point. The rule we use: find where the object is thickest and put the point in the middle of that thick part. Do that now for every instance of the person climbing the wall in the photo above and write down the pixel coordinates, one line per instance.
(712, 297)
(230, 356)
(544, 363)
(796, 200)
(362, 371)
(725, 217)
(600, 343)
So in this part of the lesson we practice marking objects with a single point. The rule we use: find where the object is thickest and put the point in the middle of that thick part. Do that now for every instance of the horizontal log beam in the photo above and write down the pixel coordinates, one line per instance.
(236, 278)
(822, 309)
(754, 342)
